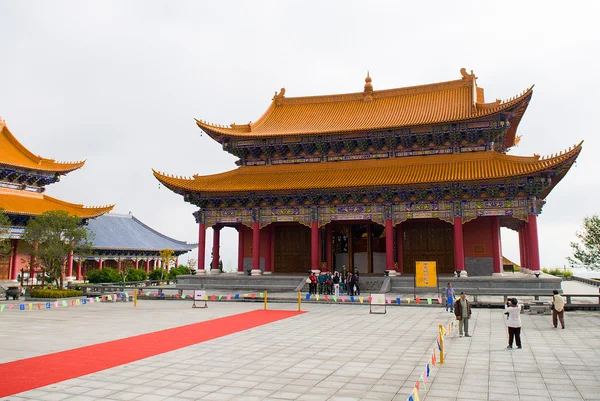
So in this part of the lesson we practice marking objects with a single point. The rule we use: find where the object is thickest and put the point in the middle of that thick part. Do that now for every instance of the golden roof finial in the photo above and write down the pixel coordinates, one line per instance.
(368, 88)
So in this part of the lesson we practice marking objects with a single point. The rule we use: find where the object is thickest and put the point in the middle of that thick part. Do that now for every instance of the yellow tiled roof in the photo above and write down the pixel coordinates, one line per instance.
(35, 203)
(444, 102)
(474, 166)
(13, 153)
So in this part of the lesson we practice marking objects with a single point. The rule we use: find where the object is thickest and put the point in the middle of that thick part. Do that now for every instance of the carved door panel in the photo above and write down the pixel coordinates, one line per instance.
(428, 240)
(292, 249)
(4, 267)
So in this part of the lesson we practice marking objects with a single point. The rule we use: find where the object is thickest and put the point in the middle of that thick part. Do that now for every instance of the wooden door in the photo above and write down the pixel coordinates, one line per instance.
(292, 249)
(428, 240)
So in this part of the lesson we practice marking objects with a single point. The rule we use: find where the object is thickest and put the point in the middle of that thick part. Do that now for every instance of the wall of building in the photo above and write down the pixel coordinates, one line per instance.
(477, 237)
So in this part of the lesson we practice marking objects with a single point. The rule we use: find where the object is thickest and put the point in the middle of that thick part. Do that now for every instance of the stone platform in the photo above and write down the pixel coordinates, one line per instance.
(514, 283)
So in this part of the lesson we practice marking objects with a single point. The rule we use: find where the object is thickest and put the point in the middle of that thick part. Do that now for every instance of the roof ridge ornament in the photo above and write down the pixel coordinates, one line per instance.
(466, 75)
(2, 123)
(278, 98)
(368, 97)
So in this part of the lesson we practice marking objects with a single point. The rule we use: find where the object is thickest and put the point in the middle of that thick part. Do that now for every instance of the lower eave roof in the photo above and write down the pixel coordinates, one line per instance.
(477, 166)
(34, 203)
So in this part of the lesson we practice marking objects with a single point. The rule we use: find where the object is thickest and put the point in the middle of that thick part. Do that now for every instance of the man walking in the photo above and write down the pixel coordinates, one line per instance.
(462, 311)
(450, 298)
(558, 309)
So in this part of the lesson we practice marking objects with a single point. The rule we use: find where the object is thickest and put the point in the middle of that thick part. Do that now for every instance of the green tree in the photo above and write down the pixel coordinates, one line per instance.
(136, 275)
(5, 223)
(51, 236)
(587, 250)
(105, 275)
(167, 256)
(173, 273)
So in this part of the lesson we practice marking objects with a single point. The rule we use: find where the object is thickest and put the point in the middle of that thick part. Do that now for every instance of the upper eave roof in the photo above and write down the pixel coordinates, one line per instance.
(19, 202)
(437, 103)
(14, 154)
(476, 166)
(125, 232)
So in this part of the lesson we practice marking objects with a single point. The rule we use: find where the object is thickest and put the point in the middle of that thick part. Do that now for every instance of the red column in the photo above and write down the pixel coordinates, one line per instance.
(241, 248)
(521, 250)
(389, 245)
(256, 245)
(201, 246)
(328, 247)
(268, 246)
(100, 264)
(70, 264)
(496, 246)
(400, 247)
(459, 252)
(79, 275)
(136, 264)
(534, 250)
(215, 250)
(314, 245)
(176, 262)
(147, 266)
(527, 262)
(13, 260)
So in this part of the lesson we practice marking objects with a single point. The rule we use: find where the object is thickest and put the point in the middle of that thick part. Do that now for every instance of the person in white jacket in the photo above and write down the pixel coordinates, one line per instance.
(513, 321)
(558, 309)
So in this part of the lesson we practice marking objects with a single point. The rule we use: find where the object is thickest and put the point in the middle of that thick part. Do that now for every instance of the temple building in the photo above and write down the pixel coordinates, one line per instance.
(377, 180)
(123, 242)
(23, 178)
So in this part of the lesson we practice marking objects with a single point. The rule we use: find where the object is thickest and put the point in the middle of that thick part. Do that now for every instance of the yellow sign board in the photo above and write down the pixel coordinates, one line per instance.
(426, 274)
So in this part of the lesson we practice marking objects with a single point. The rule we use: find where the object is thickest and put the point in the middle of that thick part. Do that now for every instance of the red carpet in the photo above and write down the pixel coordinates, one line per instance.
(27, 374)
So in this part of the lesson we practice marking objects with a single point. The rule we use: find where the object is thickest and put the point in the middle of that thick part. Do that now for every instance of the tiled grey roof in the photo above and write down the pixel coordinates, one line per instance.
(125, 232)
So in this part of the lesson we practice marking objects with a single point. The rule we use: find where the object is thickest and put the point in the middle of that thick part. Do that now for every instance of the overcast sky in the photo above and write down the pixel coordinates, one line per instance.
(119, 83)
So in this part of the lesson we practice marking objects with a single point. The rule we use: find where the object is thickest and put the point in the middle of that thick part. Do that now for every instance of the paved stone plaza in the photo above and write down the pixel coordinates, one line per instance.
(333, 352)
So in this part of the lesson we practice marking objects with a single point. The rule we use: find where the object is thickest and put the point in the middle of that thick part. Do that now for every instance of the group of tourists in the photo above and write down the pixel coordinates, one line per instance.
(512, 310)
(344, 282)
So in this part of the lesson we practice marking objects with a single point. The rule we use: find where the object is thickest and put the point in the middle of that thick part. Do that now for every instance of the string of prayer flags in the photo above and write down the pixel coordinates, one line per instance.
(429, 301)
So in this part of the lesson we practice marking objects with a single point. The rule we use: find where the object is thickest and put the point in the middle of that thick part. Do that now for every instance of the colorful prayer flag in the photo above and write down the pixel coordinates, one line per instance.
(360, 299)
(64, 303)
(245, 295)
(408, 300)
(410, 398)
(440, 300)
(1, 307)
(84, 301)
(343, 299)
(351, 299)
(262, 295)
(213, 297)
(252, 295)
(237, 296)
(220, 296)
(326, 297)
(10, 306)
(30, 306)
(334, 298)
(370, 299)
(418, 385)
(307, 297)
(418, 301)
(22, 307)
(229, 297)
(429, 301)
(317, 297)
(39, 306)
(416, 394)
(398, 301)
(47, 305)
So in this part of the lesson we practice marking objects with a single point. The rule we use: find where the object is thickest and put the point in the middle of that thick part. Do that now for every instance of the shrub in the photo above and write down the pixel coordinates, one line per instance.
(136, 275)
(558, 272)
(106, 275)
(54, 293)
(157, 273)
(173, 273)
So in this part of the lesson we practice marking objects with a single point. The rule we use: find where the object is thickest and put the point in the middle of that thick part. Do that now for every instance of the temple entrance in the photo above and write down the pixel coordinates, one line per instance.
(428, 239)
(292, 248)
(359, 246)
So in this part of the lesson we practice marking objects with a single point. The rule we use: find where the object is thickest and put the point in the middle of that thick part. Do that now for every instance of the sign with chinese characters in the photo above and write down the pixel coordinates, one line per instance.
(426, 274)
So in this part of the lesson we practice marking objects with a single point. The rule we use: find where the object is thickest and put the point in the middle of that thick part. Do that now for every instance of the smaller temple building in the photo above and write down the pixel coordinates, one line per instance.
(23, 180)
(122, 242)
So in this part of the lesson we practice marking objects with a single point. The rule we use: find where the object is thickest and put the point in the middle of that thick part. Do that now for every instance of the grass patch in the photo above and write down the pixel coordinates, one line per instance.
(558, 272)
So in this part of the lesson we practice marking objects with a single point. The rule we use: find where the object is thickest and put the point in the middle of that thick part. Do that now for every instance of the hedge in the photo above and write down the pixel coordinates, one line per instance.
(50, 293)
